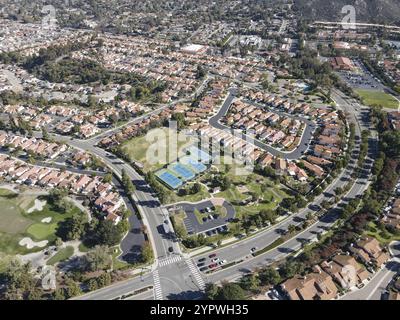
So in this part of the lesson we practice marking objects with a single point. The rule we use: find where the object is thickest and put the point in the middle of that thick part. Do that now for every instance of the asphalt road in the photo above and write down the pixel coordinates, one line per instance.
(118, 289)
(241, 250)
(191, 222)
(177, 278)
(149, 206)
(174, 279)
(185, 284)
(293, 155)
(96, 139)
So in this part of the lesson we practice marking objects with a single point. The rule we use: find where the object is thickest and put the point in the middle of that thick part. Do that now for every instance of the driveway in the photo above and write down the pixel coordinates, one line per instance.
(373, 289)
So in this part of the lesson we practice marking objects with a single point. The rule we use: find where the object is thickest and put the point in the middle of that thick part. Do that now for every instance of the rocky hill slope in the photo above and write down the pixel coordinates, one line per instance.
(371, 11)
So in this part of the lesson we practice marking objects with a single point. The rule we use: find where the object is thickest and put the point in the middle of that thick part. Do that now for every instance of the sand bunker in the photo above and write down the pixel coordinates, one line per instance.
(30, 244)
(46, 220)
(37, 206)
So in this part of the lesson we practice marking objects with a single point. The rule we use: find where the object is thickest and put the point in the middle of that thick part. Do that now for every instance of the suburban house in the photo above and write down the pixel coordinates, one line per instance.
(369, 251)
(317, 285)
(345, 271)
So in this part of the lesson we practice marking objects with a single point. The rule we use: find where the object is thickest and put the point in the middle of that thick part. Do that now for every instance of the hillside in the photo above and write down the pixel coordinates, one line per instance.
(371, 11)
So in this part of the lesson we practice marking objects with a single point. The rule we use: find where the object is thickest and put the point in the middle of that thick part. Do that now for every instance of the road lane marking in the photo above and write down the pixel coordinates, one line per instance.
(197, 276)
(157, 286)
(169, 260)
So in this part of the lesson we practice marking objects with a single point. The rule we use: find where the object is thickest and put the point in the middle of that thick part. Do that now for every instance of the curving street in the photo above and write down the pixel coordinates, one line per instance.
(306, 138)
(188, 283)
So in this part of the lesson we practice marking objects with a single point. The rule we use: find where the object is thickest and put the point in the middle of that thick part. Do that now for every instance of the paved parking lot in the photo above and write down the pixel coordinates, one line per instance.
(361, 78)
(211, 222)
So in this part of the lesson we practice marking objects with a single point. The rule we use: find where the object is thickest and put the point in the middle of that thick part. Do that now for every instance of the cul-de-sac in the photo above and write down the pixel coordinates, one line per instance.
(199, 150)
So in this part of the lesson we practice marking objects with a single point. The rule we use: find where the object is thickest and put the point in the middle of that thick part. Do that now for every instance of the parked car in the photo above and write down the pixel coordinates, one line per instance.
(201, 260)
(212, 266)
(272, 295)
(254, 249)
(215, 260)
(203, 268)
(200, 264)
(213, 255)
(222, 262)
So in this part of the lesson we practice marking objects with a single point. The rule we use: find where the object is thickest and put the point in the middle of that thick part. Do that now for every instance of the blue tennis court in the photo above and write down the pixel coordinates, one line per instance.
(169, 179)
(199, 155)
(182, 171)
(193, 164)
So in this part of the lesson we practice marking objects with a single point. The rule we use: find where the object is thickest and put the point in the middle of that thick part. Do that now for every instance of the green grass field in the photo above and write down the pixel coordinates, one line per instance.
(379, 234)
(12, 220)
(179, 217)
(270, 195)
(16, 223)
(173, 197)
(61, 255)
(153, 146)
(371, 97)
(4, 261)
(199, 216)
(41, 231)
(117, 264)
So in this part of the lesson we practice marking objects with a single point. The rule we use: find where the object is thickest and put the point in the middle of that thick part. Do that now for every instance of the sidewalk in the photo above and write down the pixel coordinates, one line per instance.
(231, 240)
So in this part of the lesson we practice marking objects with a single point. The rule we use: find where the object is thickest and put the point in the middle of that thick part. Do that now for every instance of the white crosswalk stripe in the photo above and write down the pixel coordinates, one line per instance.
(196, 274)
(169, 260)
(157, 286)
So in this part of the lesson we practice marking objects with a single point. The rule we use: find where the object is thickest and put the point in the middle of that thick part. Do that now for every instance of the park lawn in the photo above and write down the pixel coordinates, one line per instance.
(254, 209)
(201, 195)
(138, 147)
(62, 255)
(231, 195)
(173, 197)
(117, 264)
(199, 216)
(269, 198)
(178, 219)
(374, 97)
(221, 211)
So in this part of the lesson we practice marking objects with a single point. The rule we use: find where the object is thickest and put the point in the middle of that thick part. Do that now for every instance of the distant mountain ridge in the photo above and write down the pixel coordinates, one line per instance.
(367, 11)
